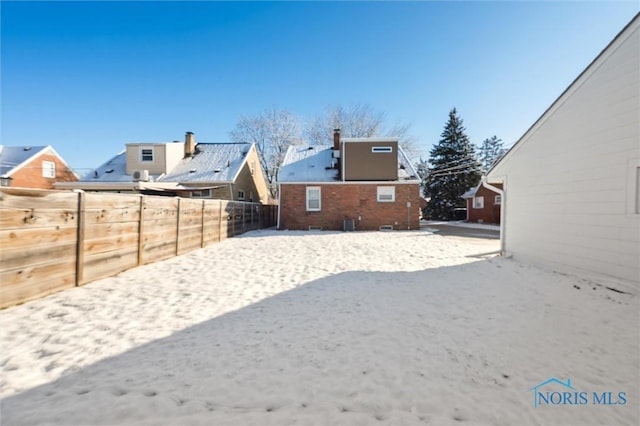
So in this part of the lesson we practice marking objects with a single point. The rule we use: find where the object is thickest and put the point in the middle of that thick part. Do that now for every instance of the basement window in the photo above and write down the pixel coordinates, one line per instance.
(380, 149)
(478, 202)
(48, 169)
(386, 194)
(313, 198)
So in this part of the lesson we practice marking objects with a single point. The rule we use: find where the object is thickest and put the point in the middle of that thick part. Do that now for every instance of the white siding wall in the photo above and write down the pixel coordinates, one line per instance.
(571, 180)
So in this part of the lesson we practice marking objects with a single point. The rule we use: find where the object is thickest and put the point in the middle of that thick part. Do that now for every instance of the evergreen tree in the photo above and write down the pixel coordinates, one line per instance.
(454, 169)
(489, 152)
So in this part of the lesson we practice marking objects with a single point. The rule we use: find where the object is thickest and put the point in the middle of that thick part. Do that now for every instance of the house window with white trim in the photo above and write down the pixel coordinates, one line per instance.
(380, 149)
(478, 202)
(204, 193)
(498, 200)
(241, 194)
(48, 169)
(146, 155)
(313, 198)
(386, 194)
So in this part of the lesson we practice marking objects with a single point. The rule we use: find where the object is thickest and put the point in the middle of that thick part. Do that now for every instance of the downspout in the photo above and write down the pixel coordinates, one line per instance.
(503, 210)
(279, 204)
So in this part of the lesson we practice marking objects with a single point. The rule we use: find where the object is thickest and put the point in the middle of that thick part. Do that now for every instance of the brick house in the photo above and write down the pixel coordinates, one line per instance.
(483, 204)
(224, 171)
(33, 167)
(354, 184)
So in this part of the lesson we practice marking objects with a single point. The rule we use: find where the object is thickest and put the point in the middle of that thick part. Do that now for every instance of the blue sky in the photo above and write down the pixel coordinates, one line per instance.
(88, 77)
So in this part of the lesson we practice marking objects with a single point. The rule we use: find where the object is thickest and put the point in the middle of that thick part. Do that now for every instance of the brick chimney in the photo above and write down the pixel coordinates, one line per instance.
(336, 139)
(189, 144)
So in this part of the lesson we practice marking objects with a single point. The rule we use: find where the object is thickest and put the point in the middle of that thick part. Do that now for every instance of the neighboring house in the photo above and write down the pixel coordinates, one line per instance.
(228, 171)
(572, 182)
(354, 184)
(33, 167)
(483, 204)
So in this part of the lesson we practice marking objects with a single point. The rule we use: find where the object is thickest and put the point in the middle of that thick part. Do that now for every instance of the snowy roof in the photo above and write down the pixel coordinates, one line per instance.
(13, 156)
(213, 162)
(304, 163)
(312, 163)
(471, 192)
(113, 170)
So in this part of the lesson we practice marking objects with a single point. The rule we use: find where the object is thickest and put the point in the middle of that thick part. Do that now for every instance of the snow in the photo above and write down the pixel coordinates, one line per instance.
(13, 156)
(462, 224)
(294, 327)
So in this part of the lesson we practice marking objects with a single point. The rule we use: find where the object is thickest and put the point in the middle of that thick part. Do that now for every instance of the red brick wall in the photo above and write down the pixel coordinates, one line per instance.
(30, 175)
(491, 211)
(350, 201)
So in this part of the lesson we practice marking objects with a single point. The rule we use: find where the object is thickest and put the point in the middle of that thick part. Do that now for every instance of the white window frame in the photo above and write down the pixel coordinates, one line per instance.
(49, 169)
(142, 154)
(386, 194)
(478, 202)
(497, 200)
(204, 193)
(381, 149)
(311, 198)
(241, 194)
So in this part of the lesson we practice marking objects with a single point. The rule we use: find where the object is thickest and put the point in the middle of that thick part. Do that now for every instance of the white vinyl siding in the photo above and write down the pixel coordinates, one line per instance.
(386, 194)
(568, 197)
(314, 196)
(48, 169)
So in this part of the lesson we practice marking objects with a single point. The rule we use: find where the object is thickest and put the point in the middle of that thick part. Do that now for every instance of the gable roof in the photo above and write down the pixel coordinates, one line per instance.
(629, 28)
(305, 163)
(12, 158)
(227, 158)
(312, 163)
(212, 162)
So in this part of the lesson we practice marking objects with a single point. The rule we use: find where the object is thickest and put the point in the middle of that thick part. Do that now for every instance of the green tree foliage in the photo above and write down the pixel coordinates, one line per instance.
(454, 169)
(489, 152)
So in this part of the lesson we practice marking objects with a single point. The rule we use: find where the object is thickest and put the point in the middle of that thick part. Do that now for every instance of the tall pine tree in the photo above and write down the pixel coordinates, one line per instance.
(454, 169)
(489, 152)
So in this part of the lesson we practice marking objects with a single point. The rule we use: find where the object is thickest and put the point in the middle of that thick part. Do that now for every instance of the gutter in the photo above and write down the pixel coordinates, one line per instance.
(503, 210)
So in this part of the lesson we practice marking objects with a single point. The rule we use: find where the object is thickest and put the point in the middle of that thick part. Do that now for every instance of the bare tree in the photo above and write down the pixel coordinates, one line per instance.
(358, 121)
(273, 132)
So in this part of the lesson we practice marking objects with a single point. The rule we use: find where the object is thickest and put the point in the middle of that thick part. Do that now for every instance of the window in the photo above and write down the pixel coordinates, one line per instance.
(386, 194)
(241, 194)
(146, 155)
(48, 169)
(313, 198)
(378, 149)
(498, 199)
(478, 202)
(205, 193)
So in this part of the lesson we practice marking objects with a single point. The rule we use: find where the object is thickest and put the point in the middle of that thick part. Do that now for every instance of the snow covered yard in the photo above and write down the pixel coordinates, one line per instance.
(322, 328)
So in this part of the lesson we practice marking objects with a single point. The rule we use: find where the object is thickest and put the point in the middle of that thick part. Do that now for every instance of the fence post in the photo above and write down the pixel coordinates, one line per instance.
(202, 228)
(141, 232)
(178, 228)
(220, 219)
(80, 239)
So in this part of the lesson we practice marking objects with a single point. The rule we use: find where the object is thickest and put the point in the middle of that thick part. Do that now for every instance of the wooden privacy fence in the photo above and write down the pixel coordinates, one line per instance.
(53, 240)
